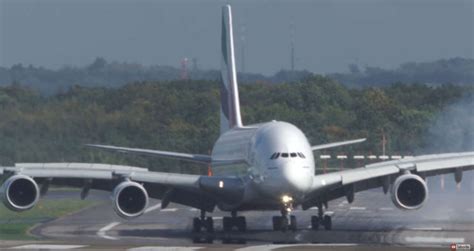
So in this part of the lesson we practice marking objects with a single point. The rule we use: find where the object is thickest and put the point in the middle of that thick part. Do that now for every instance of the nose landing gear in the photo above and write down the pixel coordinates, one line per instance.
(321, 219)
(285, 221)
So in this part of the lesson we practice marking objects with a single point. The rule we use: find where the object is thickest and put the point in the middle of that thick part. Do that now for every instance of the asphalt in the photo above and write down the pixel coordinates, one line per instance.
(371, 222)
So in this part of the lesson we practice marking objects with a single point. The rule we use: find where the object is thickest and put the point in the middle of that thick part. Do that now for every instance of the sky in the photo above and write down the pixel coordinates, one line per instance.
(328, 34)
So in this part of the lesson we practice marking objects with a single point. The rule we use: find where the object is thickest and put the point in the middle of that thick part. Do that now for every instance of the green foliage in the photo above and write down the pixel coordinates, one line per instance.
(14, 225)
(184, 116)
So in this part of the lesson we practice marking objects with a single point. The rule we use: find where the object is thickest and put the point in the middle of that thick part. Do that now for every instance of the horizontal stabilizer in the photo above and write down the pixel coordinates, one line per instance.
(336, 144)
(199, 158)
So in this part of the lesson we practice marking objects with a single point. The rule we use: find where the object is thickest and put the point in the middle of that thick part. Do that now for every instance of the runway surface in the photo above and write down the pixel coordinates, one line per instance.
(371, 222)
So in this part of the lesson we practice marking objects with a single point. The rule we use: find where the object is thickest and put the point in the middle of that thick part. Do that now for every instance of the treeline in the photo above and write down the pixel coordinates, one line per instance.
(455, 71)
(184, 116)
(100, 73)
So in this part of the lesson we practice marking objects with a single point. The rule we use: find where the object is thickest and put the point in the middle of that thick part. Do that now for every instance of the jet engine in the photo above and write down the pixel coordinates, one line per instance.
(19, 193)
(130, 199)
(409, 192)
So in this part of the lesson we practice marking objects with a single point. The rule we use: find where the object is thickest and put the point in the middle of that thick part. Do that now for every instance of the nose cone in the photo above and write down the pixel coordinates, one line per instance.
(298, 179)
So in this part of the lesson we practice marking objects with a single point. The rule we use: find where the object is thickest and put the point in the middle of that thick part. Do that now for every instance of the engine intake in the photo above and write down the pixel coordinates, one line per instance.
(130, 199)
(409, 192)
(19, 193)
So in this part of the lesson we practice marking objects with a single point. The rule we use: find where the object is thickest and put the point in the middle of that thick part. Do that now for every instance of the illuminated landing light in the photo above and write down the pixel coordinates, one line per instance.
(286, 199)
(221, 184)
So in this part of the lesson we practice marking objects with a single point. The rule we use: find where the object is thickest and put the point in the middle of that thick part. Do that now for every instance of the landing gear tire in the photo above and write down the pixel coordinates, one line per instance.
(327, 222)
(292, 225)
(281, 223)
(200, 224)
(231, 225)
(315, 222)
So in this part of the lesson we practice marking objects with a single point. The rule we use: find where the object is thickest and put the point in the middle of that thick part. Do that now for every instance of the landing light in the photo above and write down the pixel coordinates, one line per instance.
(286, 199)
(221, 184)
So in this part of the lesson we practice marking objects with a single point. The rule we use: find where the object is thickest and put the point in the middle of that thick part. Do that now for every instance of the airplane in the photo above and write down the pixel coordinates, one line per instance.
(265, 166)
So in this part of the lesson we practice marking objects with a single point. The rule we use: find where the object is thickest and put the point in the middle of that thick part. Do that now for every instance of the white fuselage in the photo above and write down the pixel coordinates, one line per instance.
(247, 152)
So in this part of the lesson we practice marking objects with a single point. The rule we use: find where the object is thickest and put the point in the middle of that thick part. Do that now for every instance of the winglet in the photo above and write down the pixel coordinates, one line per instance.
(230, 105)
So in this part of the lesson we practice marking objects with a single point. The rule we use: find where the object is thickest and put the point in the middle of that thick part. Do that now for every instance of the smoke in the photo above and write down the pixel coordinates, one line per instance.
(453, 131)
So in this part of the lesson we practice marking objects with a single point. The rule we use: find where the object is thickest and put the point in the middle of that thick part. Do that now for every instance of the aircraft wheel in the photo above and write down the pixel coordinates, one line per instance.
(209, 225)
(241, 224)
(276, 223)
(227, 224)
(196, 225)
(327, 222)
(293, 226)
(314, 222)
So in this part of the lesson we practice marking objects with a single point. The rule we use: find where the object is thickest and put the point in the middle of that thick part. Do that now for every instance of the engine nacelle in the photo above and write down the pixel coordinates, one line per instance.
(130, 199)
(409, 192)
(19, 193)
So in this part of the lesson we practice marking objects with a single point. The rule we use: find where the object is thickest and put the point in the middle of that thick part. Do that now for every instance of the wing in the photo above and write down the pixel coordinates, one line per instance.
(199, 158)
(197, 191)
(336, 144)
(334, 185)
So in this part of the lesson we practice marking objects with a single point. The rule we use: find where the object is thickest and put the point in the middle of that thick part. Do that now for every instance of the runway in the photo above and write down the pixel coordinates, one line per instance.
(371, 222)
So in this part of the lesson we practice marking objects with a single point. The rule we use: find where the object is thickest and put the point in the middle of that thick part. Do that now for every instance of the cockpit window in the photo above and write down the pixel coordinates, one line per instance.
(293, 155)
(284, 155)
(275, 155)
(302, 155)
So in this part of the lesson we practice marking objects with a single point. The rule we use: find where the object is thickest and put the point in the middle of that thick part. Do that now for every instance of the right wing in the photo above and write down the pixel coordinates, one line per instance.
(199, 158)
(334, 185)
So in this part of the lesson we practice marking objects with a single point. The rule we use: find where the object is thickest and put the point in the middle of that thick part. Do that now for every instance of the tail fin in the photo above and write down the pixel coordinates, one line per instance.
(230, 106)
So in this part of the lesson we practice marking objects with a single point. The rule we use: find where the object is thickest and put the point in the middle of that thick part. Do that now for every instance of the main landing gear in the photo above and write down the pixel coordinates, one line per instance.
(285, 221)
(203, 224)
(231, 225)
(321, 219)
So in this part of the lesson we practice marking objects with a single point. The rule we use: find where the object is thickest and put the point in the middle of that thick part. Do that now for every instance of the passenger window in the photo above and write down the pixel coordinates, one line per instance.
(284, 155)
(293, 155)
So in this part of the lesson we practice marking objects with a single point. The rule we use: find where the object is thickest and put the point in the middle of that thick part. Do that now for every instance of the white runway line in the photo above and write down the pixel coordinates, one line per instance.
(426, 228)
(357, 208)
(164, 248)
(274, 246)
(153, 208)
(217, 218)
(386, 209)
(429, 239)
(48, 247)
(103, 231)
(169, 210)
(193, 209)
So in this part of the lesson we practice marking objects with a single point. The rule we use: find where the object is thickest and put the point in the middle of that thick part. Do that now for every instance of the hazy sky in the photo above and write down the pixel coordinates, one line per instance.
(328, 34)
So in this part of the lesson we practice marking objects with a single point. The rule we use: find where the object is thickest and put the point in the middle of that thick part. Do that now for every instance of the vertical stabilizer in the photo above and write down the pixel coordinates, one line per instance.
(230, 106)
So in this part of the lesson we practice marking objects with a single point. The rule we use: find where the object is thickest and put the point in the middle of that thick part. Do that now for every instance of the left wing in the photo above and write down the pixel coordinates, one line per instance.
(334, 185)
(199, 158)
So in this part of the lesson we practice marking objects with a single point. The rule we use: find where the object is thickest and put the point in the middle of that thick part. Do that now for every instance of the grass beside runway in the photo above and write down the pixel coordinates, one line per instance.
(15, 225)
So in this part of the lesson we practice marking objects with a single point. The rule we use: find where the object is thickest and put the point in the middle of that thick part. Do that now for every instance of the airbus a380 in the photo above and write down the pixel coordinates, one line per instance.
(267, 166)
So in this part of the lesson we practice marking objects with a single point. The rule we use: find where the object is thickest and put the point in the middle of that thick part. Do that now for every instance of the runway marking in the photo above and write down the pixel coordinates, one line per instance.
(193, 209)
(357, 208)
(313, 208)
(426, 228)
(329, 212)
(274, 246)
(153, 208)
(217, 218)
(385, 209)
(48, 246)
(103, 231)
(430, 239)
(164, 248)
(169, 210)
